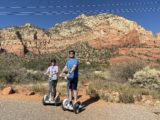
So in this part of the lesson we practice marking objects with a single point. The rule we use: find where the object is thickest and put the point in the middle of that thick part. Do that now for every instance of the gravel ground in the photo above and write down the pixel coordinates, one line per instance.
(34, 110)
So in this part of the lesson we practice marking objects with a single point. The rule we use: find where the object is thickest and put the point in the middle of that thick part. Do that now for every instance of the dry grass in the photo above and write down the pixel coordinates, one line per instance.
(123, 71)
(126, 98)
(125, 92)
(40, 87)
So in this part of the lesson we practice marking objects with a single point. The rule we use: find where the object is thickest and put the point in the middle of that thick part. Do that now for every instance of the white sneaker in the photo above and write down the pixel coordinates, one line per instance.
(69, 106)
(52, 101)
(81, 106)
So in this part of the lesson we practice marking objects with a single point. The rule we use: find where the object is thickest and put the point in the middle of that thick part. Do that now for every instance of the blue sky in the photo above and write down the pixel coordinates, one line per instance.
(46, 13)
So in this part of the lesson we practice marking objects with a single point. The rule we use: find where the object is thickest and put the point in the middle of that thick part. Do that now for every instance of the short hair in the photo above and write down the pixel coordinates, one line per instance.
(53, 61)
(72, 51)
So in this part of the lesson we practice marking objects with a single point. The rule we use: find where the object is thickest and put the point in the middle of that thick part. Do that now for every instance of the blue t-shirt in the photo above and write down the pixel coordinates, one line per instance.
(70, 63)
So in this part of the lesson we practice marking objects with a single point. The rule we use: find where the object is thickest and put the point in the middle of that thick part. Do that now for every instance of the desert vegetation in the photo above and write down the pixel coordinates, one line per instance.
(125, 82)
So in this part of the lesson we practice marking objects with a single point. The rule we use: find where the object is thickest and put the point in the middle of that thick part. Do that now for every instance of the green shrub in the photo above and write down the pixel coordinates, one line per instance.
(124, 71)
(126, 97)
(146, 78)
(20, 75)
(92, 92)
(43, 61)
(2, 85)
(118, 92)
(105, 97)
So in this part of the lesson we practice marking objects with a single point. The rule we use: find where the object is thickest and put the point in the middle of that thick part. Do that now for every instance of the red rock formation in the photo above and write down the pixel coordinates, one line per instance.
(123, 59)
(14, 47)
(114, 40)
(147, 54)
(7, 91)
(103, 31)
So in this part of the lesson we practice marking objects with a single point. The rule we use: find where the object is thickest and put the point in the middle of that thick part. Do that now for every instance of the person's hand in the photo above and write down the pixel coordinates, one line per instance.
(68, 75)
(61, 75)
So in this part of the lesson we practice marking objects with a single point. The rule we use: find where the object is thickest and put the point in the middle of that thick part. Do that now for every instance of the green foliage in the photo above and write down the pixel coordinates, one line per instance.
(124, 71)
(126, 98)
(12, 70)
(92, 92)
(146, 78)
(118, 92)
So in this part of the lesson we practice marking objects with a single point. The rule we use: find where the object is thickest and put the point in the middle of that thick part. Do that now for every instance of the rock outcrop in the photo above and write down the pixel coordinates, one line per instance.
(103, 31)
(7, 91)
(158, 36)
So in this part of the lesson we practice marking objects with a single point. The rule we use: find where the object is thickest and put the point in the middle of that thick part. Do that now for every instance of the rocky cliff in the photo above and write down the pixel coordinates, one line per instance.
(103, 31)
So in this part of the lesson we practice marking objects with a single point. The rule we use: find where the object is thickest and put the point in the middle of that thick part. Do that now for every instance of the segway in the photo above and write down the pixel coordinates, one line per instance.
(72, 107)
(56, 102)
(66, 105)
(45, 99)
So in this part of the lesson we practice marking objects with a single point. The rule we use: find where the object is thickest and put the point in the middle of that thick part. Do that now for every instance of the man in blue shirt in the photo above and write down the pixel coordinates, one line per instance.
(71, 67)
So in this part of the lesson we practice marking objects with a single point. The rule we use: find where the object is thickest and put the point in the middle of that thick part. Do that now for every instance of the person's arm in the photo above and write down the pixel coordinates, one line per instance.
(57, 70)
(64, 69)
(74, 67)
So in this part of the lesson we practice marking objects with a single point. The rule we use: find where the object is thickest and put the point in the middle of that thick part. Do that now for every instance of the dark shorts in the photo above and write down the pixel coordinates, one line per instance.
(72, 83)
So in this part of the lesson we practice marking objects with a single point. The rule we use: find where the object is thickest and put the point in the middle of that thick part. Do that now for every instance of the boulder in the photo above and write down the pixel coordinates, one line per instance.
(7, 91)
(29, 93)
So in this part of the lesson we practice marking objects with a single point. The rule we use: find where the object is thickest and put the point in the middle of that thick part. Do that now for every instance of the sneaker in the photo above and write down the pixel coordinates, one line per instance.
(81, 106)
(69, 106)
(52, 101)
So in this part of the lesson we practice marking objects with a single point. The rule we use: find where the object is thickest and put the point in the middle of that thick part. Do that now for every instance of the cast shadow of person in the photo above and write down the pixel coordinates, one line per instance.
(90, 101)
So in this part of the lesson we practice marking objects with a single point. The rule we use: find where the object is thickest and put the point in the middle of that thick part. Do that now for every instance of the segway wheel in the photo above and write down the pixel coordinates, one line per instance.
(64, 109)
(43, 100)
(55, 104)
(76, 111)
(64, 103)
(57, 101)
(76, 107)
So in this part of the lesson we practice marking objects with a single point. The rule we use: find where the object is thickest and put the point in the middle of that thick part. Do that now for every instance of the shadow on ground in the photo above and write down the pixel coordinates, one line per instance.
(89, 101)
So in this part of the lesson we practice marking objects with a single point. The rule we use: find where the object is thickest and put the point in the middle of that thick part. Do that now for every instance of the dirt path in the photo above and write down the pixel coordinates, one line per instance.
(21, 107)
(34, 110)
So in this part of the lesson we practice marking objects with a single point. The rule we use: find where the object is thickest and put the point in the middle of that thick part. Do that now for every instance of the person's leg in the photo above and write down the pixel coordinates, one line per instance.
(75, 93)
(68, 84)
(70, 95)
(50, 89)
(70, 105)
(70, 91)
(54, 88)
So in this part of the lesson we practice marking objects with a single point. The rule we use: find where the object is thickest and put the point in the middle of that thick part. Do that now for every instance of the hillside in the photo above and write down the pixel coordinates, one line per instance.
(103, 31)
